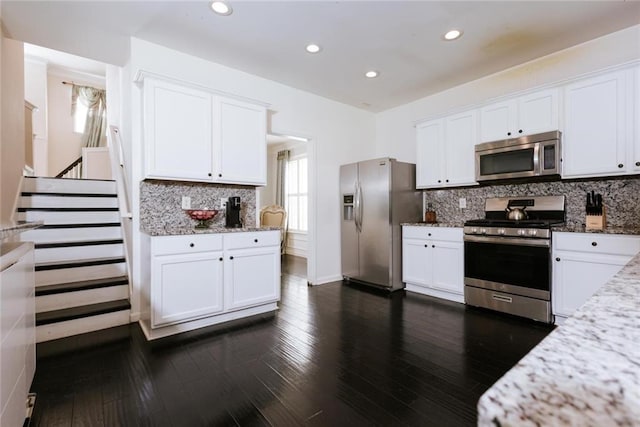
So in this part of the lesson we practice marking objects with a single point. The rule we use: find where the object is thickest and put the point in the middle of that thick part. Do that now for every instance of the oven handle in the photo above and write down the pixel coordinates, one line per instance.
(515, 241)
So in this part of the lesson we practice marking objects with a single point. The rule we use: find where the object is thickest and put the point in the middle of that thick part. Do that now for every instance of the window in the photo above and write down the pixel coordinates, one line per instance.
(79, 117)
(297, 192)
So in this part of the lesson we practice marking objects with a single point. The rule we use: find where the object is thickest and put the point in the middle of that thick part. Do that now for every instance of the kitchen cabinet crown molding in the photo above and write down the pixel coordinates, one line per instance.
(143, 74)
(511, 95)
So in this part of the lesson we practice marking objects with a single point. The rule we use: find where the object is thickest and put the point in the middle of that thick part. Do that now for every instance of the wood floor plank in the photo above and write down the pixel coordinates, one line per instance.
(334, 354)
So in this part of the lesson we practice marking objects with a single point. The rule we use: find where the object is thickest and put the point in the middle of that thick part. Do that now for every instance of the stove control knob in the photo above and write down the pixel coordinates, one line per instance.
(522, 232)
(483, 231)
(502, 231)
(474, 230)
(533, 232)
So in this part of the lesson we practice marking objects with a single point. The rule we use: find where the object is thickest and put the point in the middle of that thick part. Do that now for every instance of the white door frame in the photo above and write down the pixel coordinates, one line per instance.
(311, 204)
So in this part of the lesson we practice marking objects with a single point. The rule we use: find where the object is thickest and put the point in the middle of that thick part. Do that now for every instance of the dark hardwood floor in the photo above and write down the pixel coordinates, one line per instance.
(333, 355)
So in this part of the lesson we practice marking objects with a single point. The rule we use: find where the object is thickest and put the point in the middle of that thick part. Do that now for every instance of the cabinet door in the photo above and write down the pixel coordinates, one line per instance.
(576, 276)
(241, 142)
(252, 277)
(416, 261)
(497, 121)
(177, 132)
(538, 112)
(185, 287)
(429, 163)
(448, 266)
(594, 139)
(461, 136)
(634, 156)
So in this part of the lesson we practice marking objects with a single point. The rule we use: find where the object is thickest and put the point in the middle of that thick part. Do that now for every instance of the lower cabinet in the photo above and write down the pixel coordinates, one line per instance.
(582, 263)
(433, 261)
(203, 279)
(17, 330)
(186, 286)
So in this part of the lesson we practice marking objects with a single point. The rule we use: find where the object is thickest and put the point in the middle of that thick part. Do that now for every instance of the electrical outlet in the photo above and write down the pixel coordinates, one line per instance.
(186, 202)
(223, 202)
(462, 202)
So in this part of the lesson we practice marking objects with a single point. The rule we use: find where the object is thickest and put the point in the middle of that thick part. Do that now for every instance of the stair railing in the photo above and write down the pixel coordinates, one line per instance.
(74, 170)
(119, 174)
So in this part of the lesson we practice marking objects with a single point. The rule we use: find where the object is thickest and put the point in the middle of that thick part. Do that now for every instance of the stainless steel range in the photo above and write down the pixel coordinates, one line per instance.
(507, 262)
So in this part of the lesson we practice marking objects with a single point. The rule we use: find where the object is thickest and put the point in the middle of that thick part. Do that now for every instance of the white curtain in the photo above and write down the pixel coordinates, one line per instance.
(283, 159)
(95, 101)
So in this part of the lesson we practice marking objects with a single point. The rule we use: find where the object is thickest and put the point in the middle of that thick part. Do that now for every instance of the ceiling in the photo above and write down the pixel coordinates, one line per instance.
(400, 39)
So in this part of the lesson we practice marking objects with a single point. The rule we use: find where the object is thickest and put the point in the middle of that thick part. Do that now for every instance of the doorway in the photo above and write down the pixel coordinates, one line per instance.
(288, 164)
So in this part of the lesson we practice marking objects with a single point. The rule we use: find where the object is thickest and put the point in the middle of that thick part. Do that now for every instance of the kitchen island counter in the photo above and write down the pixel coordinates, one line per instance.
(586, 372)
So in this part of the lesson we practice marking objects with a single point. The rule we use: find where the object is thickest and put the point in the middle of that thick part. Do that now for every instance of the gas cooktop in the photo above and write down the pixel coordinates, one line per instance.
(505, 223)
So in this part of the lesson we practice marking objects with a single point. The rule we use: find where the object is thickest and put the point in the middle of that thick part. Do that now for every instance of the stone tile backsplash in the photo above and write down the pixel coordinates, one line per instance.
(161, 203)
(620, 196)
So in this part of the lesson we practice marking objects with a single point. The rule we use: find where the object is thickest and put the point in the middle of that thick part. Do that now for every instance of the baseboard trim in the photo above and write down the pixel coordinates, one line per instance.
(449, 296)
(326, 279)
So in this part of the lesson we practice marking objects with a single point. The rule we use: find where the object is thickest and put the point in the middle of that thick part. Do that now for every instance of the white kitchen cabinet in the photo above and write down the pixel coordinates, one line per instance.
(433, 261)
(430, 141)
(252, 277)
(634, 154)
(525, 115)
(192, 134)
(240, 142)
(17, 330)
(177, 132)
(582, 263)
(204, 279)
(445, 151)
(598, 126)
(186, 278)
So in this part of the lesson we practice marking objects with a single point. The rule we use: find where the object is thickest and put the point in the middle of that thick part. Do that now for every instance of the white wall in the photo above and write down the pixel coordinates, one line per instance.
(35, 91)
(12, 130)
(395, 134)
(339, 134)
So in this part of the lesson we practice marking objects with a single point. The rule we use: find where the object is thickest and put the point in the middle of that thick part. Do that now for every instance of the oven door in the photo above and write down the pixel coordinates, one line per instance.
(519, 266)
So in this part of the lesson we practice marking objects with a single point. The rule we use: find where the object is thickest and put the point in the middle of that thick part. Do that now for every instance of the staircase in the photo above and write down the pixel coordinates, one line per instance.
(81, 274)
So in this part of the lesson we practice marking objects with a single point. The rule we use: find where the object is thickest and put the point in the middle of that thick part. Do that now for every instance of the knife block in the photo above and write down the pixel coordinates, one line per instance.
(596, 222)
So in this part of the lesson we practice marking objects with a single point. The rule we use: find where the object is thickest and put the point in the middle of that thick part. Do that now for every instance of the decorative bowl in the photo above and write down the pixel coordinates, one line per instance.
(202, 216)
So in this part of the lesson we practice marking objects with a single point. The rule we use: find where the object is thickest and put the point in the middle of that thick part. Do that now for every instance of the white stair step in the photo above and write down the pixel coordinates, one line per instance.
(80, 298)
(71, 253)
(60, 185)
(80, 326)
(71, 234)
(69, 217)
(57, 201)
(76, 274)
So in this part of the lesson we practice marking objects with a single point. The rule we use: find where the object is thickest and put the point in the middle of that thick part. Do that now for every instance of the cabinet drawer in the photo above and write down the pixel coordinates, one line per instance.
(596, 243)
(432, 233)
(186, 244)
(256, 239)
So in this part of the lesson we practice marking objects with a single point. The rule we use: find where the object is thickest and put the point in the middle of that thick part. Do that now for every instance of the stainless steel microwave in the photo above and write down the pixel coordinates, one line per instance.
(526, 156)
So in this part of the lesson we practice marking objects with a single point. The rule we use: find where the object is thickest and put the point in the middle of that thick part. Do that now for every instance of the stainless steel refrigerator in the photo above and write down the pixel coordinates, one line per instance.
(376, 197)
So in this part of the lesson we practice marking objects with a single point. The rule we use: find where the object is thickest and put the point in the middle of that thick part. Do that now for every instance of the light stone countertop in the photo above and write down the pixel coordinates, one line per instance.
(12, 228)
(606, 230)
(436, 224)
(181, 230)
(585, 373)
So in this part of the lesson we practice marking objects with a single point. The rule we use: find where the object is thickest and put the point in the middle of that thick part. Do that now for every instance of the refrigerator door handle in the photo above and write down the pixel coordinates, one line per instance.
(358, 208)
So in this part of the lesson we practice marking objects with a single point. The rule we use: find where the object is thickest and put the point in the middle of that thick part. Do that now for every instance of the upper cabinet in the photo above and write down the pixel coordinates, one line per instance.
(445, 151)
(192, 134)
(598, 137)
(529, 114)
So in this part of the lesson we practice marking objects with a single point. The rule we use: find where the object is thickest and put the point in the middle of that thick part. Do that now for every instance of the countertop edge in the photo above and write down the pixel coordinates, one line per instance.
(182, 231)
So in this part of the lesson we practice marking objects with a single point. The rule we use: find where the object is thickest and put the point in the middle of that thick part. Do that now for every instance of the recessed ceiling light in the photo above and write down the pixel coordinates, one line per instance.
(371, 74)
(452, 34)
(313, 48)
(221, 8)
